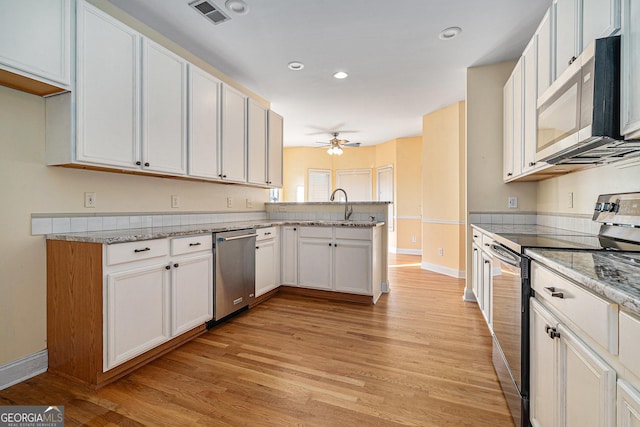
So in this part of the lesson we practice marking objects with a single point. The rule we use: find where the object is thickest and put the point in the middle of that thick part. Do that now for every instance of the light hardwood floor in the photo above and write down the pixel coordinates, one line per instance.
(421, 356)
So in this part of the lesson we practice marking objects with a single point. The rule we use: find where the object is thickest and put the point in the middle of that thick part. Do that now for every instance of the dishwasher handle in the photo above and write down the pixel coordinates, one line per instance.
(244, 236)
(505, 255)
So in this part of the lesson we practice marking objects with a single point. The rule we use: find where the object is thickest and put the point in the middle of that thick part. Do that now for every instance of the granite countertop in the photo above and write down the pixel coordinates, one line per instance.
(137, 234)
(336, 203)
(523, 229)
(597, 271)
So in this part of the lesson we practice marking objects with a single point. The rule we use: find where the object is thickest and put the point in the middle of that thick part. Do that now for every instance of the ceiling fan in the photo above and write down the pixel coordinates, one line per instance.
(336, 145)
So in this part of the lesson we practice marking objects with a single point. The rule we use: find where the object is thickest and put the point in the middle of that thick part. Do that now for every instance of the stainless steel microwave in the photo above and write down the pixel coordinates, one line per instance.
(579, 114)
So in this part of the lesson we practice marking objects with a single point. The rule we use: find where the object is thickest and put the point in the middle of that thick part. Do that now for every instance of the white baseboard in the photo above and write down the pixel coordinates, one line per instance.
(452, 272)
(23, 369)
(468, 296)
(402, 251)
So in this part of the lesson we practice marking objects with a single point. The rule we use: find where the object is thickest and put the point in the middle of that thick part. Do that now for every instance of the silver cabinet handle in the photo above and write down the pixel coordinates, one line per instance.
(244, 236)
(554, 292)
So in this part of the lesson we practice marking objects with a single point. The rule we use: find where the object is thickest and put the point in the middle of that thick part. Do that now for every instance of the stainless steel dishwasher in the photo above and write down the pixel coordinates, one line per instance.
(234, 254)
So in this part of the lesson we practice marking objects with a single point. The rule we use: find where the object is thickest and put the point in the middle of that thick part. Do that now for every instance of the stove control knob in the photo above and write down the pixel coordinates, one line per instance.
(598, 207)
(613, 207)
(606, 207)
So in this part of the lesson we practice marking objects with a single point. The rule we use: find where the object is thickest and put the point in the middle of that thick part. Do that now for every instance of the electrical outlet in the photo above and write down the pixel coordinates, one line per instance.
(512, 202)
(229, 204)
(90, 200)
(249, 204)
(175, 201)
(440, 252)
(570, 199)
(414, 239)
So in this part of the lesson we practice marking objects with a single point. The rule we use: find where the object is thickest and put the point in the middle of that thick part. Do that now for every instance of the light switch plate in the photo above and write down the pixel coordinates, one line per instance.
(513, 202)
(175, 201)
(90, 200)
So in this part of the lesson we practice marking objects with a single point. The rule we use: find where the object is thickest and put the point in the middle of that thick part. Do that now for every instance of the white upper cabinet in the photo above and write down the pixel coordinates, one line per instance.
(630, 84)
(577, 23)
(164, 110)
(234, 144)
(544, 56)
(204, 124)
(35, 43)
(513, 124)
(107, 131)
(257, 142)
(274, 170)
(529, 113)
(566, 17)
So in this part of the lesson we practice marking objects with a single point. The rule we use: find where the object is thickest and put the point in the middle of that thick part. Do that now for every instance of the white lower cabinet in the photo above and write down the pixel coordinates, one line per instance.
(267, 260)
(191, 292)
(289, 255)
(154, 293)
(137, 312)
(628, 405)
(570, 384)
(340, 259)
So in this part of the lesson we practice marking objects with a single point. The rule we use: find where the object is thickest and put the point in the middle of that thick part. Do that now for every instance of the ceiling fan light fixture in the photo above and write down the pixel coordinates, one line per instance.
(335, 149)
(449, 33)
(295, 65)
(340, 75)
(238, 7)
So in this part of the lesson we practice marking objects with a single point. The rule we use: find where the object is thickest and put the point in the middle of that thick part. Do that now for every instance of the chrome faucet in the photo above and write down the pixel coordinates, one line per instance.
(348, 210)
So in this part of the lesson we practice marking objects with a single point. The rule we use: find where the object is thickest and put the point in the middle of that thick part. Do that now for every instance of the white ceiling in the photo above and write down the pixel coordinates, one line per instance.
(399, 70)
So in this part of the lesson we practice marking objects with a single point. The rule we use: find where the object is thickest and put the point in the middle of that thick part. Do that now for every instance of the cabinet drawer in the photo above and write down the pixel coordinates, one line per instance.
(477, 236)
(630, 342)
(135, 251)
(597, 317)
(317, 232)
(190, 244)
(266, 233)
(353, 233)
(486, 241)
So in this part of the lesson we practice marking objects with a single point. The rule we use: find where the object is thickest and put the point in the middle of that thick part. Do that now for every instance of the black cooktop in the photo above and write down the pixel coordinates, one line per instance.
(519, 242)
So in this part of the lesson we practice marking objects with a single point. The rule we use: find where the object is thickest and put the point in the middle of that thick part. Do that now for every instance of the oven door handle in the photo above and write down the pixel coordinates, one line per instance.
(504, 255)
(244, 236)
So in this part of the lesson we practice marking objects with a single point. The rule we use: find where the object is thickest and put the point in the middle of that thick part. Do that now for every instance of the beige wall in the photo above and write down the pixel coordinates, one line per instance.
(408, 183)
(28, 186)
(486, 190)
(585, 186)
(443, 189)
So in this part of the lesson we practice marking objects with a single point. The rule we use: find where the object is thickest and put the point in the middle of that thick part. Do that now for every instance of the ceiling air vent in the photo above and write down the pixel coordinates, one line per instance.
(209, 10)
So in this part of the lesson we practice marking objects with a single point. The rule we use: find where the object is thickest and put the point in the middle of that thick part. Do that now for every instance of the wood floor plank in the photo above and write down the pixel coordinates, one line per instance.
(420, 356)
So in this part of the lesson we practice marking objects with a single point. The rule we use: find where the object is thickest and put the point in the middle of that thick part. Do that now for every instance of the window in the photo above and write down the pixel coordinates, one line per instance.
(319, 185)
(356, 182)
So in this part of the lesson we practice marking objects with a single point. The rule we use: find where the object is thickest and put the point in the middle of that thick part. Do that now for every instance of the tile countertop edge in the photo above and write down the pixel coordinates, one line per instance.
(606, 290)
(140, 234)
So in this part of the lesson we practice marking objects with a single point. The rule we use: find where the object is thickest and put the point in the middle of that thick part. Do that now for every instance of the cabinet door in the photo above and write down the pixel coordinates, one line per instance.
(289, 252)
(352, 266)
(267, 261)
(600, 18)
(234, 144)
(507, 152)
(107, 87)
(487, 271)
(544, 57)
(630, 84)
(518, 118)
(315, 263)
(587, 384)
(191, 292)
(628, 405)
(475, 273)
(204, 124)
(530, 100)
(275, 142)
(137, 308)
(566, 30)
(543, 367)
(257, 142)
(164, 114)
(35, 39)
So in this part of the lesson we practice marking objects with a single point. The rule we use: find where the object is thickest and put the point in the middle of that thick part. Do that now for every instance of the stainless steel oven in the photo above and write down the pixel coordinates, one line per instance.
(510, 315)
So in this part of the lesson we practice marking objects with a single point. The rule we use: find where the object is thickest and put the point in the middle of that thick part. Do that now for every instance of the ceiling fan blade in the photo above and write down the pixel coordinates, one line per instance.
(352, 144)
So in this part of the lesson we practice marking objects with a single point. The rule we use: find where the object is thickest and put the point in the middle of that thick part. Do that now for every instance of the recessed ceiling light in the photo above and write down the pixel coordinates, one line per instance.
(237, 6)
(295, 65)
(340, 75)
(449, 33)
